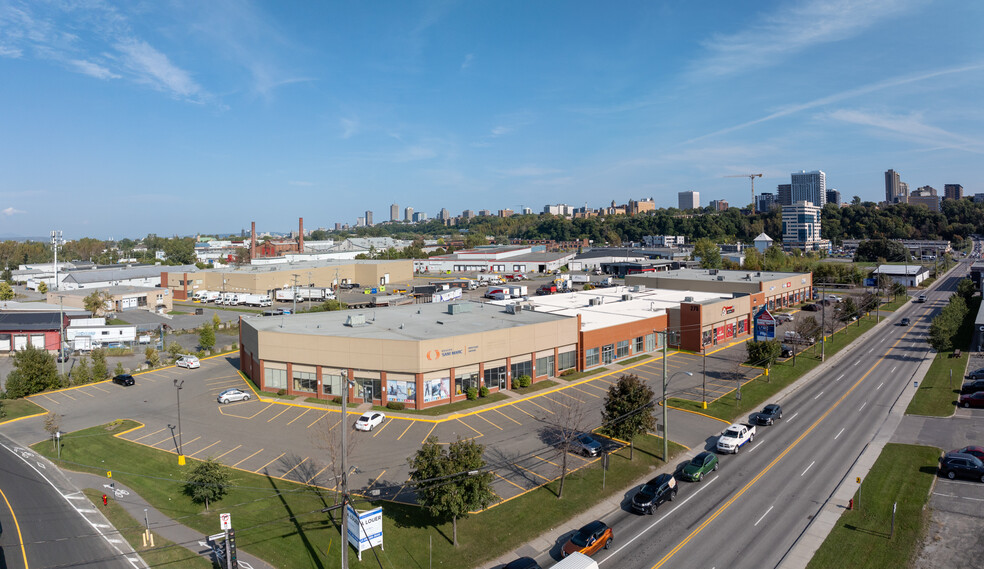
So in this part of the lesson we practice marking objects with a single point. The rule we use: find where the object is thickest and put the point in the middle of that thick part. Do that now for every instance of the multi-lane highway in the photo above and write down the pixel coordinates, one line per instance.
(750, 512)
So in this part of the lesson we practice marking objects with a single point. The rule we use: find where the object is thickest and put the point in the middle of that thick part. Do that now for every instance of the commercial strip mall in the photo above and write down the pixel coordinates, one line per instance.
(430, 354)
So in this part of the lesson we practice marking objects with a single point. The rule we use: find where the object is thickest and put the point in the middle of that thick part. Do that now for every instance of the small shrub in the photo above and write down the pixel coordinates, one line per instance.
(337, 399)
(281, 392)
(515, 383)
(471, 393)
(567, 372)
(483, 391)
(525, 381)
(395, 405)
(120, 370)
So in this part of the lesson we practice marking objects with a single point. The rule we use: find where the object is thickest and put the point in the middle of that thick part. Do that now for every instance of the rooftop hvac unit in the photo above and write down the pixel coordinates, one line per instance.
(626, 297)
(355, 320)
(712, 271)
(720, 277)
(688, 299)
(514, 308)
(595, 301)
(459, 308)
(637, 288)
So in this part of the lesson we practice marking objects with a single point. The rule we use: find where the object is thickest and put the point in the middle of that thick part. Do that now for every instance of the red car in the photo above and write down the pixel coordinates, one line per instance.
(973, 450)
(972, 400)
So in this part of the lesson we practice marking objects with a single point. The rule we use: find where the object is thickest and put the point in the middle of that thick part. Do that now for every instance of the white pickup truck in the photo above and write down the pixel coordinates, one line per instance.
(734, 437)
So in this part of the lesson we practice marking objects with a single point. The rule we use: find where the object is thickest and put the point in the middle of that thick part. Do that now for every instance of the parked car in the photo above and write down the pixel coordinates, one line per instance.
(958, 464)
(769, 415)
(972, 386)
(190, 362)
(586, 444)
(653, 493)
(811, 307)
(124, 379)
(589, 540)
(905, 321)
(787, 350)
(699, 466)
(369, 420)
(232, 394)
(783, 317)
(976, 374)
(523, 563)
(972, 399)
(64, 355)
(972, 450)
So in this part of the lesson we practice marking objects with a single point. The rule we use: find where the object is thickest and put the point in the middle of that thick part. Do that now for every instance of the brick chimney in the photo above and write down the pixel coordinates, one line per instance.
(252, 240)
(300, 234)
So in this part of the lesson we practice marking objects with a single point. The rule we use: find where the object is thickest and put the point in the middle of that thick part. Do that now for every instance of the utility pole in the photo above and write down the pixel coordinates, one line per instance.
(61, 332)
(666, 444)
(823, 321)
(56, 240)
(344, 482)
(181, 458)
(295, 294)
(703, 373)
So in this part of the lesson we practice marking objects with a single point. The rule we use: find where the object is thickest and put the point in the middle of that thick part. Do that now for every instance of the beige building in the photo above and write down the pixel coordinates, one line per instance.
(263, 279)
(121, 298)
(778, 289)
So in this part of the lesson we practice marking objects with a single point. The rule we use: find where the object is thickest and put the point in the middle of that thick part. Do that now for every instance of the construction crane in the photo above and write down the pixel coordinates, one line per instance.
(752, 178)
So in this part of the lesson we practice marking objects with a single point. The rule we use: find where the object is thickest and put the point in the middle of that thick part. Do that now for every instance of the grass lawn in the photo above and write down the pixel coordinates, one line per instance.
(164, 553)
(327, 402)
(453, 407)
(895, 304)
(115, 322)
(758, 391)
(281, 522)
(17, 408)
(634, 360)
(538, 386)
(862, 537)
(583, 374)
(938, 391)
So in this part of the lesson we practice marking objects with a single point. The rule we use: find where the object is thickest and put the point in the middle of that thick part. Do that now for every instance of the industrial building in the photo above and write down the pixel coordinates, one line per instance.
(508, 259)
(779, 290)
(121, 298)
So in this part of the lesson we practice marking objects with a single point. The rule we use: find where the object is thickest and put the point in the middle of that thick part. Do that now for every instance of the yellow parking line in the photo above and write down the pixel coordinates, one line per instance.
(204, 449)
(602, 389)
(317, 474)
(489, 422)
(507, 416)
(541, 407)
(520, 409)
(555, 401)
(376, 479)
(405, 430)
(247, 458)
(99, 388)
(470, 427)
(434, 426)
(50, 399)
(531, 472)
(386, 424)
(571, 396)
(69, 396)
(588, 393)
(503, 478)
(547, 461)
(150, 435)
(183, 443)
(85, 393)
(298, 417)
(316, 420)
(402, 488)
(226, 452)
(269, 463)
(278, 414)
(284, 475)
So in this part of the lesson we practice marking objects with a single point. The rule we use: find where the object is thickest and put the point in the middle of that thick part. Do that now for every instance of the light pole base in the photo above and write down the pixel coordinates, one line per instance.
(181, 460)
(704, 404)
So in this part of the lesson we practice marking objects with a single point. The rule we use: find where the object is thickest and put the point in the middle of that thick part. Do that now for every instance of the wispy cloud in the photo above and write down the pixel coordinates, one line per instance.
(910, 127)
(350, 127)
(468, 61)
(155, 69)
(842, 96)
(93, 69)
(509, 123)
(11, 211)
(792, 29)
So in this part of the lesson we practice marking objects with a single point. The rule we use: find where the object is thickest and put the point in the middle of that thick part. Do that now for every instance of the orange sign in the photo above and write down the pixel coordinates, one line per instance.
(434, 355)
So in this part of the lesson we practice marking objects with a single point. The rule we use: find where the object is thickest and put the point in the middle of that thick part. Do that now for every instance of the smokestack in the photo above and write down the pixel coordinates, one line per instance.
(300, 238)
(252, 240)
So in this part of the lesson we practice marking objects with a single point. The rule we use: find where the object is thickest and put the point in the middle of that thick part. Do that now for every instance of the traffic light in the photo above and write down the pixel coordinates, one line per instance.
(231, 544)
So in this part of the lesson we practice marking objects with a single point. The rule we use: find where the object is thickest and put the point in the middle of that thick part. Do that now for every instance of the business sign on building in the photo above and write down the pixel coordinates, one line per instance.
(765, 326)
(365, 529)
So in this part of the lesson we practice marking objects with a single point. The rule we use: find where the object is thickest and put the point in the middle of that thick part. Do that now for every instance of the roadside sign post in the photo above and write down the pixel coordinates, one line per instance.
(894, 507)
(859, 493)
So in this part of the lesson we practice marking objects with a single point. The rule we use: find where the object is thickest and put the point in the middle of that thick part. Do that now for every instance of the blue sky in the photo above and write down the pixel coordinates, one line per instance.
(179, 117)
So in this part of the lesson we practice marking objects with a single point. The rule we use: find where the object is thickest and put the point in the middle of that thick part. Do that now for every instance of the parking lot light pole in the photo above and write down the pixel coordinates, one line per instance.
(177, 390)
(343, 526)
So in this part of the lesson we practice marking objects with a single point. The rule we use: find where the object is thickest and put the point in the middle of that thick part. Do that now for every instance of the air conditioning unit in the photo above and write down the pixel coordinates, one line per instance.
(626, 297)
(688, 299)
(355, 320)
(720, 277)
(712, 271)
(595, 301)
(514, 308)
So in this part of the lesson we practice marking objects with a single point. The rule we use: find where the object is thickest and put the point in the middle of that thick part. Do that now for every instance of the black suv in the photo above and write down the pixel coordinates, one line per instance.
(972, 386)
(523, 563)
(653, 493)
(769, 415)
(124, 379)
(976, 374)
(954, 464)
(787, 350)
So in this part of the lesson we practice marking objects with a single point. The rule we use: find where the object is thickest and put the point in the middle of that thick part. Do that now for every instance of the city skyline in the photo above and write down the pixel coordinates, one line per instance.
(186, 118)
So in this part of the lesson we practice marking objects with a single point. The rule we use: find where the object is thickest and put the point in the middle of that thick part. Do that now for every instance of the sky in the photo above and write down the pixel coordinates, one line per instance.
(183, 117)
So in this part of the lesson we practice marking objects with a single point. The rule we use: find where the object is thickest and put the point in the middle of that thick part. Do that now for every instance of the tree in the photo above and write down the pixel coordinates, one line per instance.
(216, 321)
(206, 337)
(628, 410)
(6, 291)
(153, 358)
(34, 371)
(874, 249)
(807, 328)
(242, 256)
(708, 253)
(173, 349)
(451, 483)
(966, 289)
(180, 250)
(96, 302)
(81, 374)
(100, 369)
(943, 328)
(52, 424)
(763, 353)
(120, 370)
(208, 482)
(899, 289)
(8, 274)
(849, 309)
(43, 288)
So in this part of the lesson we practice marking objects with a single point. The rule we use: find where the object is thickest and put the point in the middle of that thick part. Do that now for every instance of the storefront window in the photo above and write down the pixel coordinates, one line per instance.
(650, 342)
(591, 357)
(522, 368)
(622, 350)
(331, 382)
(495, 377)
(464, 382)
(705, 338)
(640, 344)
(399, 390)
(545, 366)
(608, 354)
(305, 381)
(275, 379)
(741, 327)
(436, 389)
(567, 360)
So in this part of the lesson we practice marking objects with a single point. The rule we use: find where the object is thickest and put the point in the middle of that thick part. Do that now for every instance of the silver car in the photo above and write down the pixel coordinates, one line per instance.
(233, 394)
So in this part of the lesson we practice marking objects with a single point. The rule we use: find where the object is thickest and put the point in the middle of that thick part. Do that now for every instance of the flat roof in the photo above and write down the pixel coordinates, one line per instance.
(729, 276)
(288, 266)
(908, 270)
(113, 290)
(410, 322)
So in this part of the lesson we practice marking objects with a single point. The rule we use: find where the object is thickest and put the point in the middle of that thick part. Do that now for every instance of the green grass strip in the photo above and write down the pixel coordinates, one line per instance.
(939, 390)
(13, 409)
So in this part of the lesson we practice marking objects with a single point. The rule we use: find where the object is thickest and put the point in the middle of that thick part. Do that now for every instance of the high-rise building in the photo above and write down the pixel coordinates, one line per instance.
(368, 218)
(834, 197)
(952, 192)
(360, 221)
(444, 215)
(801, 227)
(526, 211)
(636, 207)
(784, 194)
(484, 213)
(927, 196)
(896, 191)
(338, 226)
(394, 212)
(719, 205)
(506, 213)
(809, 187)
(764, 202)
(420, 216)
(468, 214)
(688, 200)
(408, 214)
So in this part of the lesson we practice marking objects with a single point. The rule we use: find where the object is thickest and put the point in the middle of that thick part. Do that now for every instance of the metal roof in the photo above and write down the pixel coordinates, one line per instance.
(36, 321)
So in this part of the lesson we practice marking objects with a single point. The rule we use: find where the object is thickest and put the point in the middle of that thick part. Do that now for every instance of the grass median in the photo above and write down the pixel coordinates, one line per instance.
(863, 537)
(281, 522)
(13, 409)
(758, 391)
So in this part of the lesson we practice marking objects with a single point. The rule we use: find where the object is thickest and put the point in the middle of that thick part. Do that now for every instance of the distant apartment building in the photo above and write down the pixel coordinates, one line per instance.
(408, 214)
(419, 216)
(468, 214)
(444, 215)
(368, 218)
(338, 226)
(978, 198)
(952, 192)
(801, 227)
(764, 202)
(394, 212)
(636, 207)
(360, 221)
(809, 187)
(484, 213)
(894, 191)
(784, 194)
(615, 209)
(834, 197)
(526, 211)
(664, 240)
(559, 209)
(719, 205)
(688, 200)
(506, 213)
(927, 196)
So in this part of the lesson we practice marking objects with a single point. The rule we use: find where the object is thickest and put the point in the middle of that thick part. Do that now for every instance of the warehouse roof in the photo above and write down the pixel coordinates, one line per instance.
(125, 273)
(299, 265)
(115, 290)
(717, 274)
(29, 321)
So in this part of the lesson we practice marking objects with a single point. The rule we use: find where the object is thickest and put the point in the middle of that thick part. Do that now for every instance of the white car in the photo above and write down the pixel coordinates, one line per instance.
(369, 420)
(230, 395)
(190, 362)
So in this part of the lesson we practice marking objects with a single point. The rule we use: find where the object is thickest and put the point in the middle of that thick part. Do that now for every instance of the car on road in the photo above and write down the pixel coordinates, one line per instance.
(523, 563)
(976, 374)
(972, 399)
(972, 450)
(589, 540)
(586, 444)
(124, 379)
(190, 362)
(769, 414)
(653, 493)
(972, 386)
(735, 437)
(783, 317)
(960, 465)
(699, 466)
(919, 299)
(369, 421)
(905, 321)
(232, 394)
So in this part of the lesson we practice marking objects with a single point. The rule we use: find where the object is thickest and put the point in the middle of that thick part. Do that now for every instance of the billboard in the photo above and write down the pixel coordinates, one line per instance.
(765, 326)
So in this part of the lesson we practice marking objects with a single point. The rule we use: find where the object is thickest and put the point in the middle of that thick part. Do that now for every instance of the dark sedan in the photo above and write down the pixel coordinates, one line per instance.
(653, 493)
(972, 400)
(522, 563)
(976, 374)
(959, 465)
(124, 379)
(972, 386)
(769, 415)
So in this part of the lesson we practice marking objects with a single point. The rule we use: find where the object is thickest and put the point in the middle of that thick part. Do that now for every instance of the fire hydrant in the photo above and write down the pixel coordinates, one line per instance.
(850, 504)
(105, 500)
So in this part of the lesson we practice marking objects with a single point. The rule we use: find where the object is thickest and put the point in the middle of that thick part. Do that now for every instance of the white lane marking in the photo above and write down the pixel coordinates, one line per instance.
(857, 362)
(112, 540)
(960, 497)
(652, 525)
(765, 514)
(840, 378)
(86, 510)
(894, 368)
(862, 406)
(808, 468)
(818, 396)
(793, 417)
(100, 525)
(871, 350)
(839, 434)
(879, 386)
(753, 447)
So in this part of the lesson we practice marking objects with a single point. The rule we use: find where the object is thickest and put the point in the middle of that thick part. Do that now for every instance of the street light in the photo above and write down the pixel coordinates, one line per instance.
(343, 527)
(177, 390)
(666, 381)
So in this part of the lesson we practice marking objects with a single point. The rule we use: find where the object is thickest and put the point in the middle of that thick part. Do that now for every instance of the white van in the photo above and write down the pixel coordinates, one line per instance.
(576, 561)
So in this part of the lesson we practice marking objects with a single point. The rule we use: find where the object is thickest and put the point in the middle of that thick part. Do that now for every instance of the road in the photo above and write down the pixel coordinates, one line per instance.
(58, 526)
(750, 512)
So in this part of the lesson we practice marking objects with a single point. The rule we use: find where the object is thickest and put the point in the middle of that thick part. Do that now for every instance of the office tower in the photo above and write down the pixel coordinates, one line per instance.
(952, 191)
(688, 200)
(506, 213)
(468, 214)
(368, 218)
(927, 196)
(526, 211)
(894, 191)
(719, 205)
(360, 221)
(834, 197)
(809, 187)
(484, 213)
(394, 212)
(801, 227)
(764, 202)
(338, 226)
(408, 214)
(784, 194)
(420, 216)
